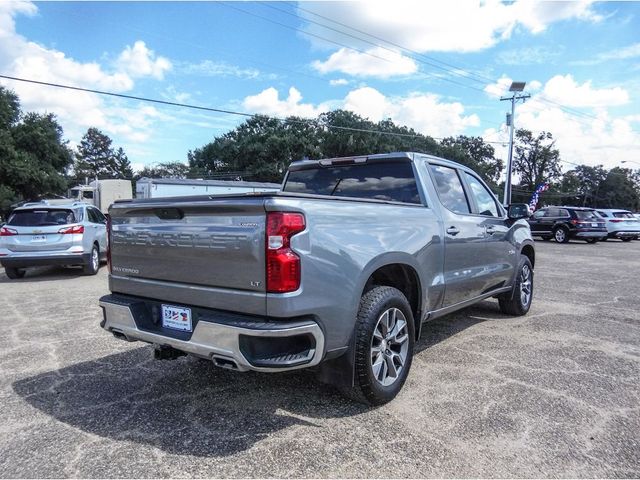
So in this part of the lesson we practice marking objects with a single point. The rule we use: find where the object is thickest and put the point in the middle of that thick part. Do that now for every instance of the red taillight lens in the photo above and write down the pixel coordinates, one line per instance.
(7, 232)
(575, 222)
(72, 230)
(283, 265)
(616, 220)
(109, 243)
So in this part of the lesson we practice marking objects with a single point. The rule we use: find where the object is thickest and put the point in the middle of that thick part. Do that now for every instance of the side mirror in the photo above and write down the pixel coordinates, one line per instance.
(517, 211)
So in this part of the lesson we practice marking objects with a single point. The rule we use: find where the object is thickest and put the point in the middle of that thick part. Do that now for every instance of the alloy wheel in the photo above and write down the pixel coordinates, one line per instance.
(389, 346)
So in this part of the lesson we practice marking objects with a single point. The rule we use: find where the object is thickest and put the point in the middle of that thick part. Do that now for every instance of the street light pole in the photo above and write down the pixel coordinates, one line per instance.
(515, 88)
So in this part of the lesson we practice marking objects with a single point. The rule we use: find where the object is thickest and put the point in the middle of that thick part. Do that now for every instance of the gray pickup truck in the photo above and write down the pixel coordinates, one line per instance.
(336, 272)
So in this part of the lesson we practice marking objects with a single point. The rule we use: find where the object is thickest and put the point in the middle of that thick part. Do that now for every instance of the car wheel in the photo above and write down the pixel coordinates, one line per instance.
(518, 301)
(604, 239)
(384, 346)
(626, 239)
(93, 264)
(592, 240)
(14, 273)
(561, 235)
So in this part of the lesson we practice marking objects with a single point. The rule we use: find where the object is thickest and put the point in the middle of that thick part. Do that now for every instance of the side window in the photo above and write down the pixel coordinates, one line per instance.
(539, 214)
(485, 201)
(91, 215)
(99, 216)
(450, 189)
(564, 213)
(553, 212)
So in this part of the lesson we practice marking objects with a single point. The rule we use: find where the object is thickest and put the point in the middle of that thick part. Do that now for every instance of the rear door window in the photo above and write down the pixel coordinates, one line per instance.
(450, 189)
(623, 215)
(42, 217)
(380, 181)
(485, 201)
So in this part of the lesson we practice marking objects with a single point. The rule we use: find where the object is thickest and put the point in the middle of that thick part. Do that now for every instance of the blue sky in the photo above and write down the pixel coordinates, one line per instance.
(439, 67)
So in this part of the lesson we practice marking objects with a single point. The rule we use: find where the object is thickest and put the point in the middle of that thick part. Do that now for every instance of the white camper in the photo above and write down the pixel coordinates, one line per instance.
(181, 187)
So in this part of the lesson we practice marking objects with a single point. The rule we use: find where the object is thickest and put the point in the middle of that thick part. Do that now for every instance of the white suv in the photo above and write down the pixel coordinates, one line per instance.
(621, 224)
(53, 233)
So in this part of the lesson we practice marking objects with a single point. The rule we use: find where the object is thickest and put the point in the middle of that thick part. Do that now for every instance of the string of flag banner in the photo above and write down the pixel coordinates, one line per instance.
(534, 198)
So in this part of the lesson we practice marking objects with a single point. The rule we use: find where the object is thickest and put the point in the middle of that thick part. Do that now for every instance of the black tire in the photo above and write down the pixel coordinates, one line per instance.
(561, 235)
(604, 239)
(14, 273)
(626, 239)
(370, 388)
(514, 303)
(93, 264)
(591, 240)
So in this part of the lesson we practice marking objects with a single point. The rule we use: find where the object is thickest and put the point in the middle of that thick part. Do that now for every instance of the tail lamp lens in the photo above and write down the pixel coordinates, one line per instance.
(109, 243)
(7, 232)
(72, 230)
(283, 264)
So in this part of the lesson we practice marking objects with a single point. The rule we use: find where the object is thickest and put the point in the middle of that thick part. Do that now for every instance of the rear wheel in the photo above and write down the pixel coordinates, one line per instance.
(518, 301)
(93, 264)
(592, 240)
(14, 273)
(627, 239)
(561, 235)
(384, 346)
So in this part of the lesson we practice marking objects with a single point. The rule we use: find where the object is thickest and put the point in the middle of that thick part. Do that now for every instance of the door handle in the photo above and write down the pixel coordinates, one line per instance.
(453, 231)
(490, 230)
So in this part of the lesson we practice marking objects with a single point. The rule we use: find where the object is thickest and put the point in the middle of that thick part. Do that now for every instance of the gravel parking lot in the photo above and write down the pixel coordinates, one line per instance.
(552, 394)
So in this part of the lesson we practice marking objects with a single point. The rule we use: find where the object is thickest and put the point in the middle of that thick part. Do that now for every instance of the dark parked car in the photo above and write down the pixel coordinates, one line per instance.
(565, 223)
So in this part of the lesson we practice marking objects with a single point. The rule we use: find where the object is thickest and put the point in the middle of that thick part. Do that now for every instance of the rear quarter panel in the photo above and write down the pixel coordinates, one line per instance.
(343, 244)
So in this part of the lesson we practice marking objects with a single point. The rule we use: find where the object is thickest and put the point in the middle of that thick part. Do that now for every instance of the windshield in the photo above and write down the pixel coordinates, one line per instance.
(623, 215)
(380, 181)
(42, 217)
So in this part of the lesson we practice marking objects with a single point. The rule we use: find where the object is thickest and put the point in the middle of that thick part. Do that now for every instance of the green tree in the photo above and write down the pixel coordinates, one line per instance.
(164, 170)
(536, 159)
(619, 190)
(96, 158)
(33, 154)
(475, 154)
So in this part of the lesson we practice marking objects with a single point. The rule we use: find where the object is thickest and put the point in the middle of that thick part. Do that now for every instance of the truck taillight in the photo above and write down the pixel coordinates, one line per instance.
(72, 230)
(283, 264)
(109, 243)
(7, 232)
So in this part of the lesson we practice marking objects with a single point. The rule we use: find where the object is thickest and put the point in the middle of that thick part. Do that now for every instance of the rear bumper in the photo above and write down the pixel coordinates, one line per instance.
(30, 260)
(232, 341)
(600, 234)
(624, 234)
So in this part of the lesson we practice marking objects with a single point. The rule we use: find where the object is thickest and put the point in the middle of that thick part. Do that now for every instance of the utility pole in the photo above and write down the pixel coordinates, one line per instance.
(516, 87)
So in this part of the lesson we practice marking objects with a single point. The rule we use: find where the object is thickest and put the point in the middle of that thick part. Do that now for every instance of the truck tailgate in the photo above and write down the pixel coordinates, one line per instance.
(182, 250)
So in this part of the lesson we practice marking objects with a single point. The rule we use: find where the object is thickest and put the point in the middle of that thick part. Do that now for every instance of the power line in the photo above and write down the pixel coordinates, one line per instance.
(220, 110)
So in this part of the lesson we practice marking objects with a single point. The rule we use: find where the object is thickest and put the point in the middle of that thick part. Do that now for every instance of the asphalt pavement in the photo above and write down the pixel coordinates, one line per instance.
(552, 394)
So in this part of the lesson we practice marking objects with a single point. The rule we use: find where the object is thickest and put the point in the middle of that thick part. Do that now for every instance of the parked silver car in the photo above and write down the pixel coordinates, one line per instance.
(53, 233)
(621, 224)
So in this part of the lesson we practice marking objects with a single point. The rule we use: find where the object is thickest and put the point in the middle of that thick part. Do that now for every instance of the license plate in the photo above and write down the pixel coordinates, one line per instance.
(594, 224)
(38, 238)
(177, 318)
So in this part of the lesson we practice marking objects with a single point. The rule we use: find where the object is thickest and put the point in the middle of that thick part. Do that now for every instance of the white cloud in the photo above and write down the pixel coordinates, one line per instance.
(424, 112)
(268, 102)
(458, 26)
(375, 62)
(565, 90)
(499, 88)
(139, 61)
(75, 110)
(338, 81)
(210, 68)
(624, 53)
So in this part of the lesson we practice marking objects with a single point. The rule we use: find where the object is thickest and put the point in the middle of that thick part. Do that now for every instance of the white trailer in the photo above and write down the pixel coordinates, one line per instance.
(102, 193)
(180, 187)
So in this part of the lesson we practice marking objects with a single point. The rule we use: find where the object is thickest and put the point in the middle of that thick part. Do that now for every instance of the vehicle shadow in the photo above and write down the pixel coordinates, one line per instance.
(44, 274)
(440, 329)
(189, 406)
(186, 406)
